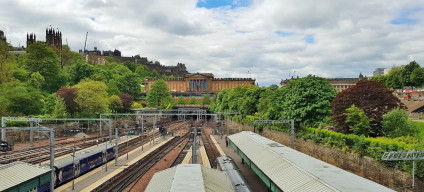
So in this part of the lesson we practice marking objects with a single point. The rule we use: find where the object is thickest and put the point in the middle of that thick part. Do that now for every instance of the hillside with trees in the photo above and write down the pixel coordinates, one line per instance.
(48, 82)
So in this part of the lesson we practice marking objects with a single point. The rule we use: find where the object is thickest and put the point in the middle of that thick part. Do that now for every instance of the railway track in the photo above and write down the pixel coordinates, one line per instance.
(39, 154)
(183, 153)
(211, 151)
(124, 179)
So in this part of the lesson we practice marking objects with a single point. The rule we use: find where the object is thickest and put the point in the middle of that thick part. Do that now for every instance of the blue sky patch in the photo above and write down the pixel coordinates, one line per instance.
(283, 33)
(93, 18)
(404, 17)
(310, 39)
(210, 4)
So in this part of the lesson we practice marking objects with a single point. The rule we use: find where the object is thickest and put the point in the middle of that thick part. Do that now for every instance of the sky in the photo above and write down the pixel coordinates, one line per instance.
(268, 40)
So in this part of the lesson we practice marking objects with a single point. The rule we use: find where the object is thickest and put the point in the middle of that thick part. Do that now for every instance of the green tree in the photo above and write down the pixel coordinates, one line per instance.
(43, 59)
(142, 71)
(357, 121)
(36, 80)
(23, 100)
(115, 104)
(206, 100)
(157, 63)
(131, 66)
(20, 74)
(7, 62)
(92, 97)
(181, 100)
(112, 88)
(59, 110)
(192, 100)
(129, 83)
(417, 77)
(394, 79)
(395, 124)
(79, 71)
(370, 96)
(265, 99)
(159, 95)
(306, 100)
(407, 72)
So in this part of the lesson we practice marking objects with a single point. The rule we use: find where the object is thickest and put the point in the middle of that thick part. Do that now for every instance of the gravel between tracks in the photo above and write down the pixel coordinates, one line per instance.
(163, 164)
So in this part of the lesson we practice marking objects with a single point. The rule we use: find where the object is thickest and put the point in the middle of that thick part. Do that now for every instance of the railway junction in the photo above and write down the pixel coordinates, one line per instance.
(156, 150)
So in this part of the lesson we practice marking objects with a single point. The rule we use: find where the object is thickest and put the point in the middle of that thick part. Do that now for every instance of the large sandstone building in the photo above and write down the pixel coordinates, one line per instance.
(200, 83)
(339, 84)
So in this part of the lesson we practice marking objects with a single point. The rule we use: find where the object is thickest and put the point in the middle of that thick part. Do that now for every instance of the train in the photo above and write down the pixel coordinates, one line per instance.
(227, 165)
(83, 162)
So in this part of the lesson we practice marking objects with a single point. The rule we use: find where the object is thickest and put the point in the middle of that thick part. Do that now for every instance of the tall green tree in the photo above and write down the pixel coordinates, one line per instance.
(306, 100)
(36, 80)
(159, 95)
(129, 83)
(395, 79)
(92, 97)
(43, 59)
(115, 104)
(407, 72)
(7, 62)
(59, 110)
(79, 71)
(24, 100)
(417, 77)
(357, 121)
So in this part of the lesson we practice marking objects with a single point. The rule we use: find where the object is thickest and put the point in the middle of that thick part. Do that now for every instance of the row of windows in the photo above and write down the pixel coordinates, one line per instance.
(202, 84)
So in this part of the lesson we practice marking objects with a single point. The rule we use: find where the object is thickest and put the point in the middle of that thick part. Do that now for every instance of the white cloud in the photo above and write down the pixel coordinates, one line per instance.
(349, 36)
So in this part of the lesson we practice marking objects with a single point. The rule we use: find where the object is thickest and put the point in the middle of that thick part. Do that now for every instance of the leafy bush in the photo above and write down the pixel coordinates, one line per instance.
(395, 124)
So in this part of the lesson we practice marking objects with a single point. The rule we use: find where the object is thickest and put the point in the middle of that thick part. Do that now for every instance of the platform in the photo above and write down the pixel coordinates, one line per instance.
(96, 177)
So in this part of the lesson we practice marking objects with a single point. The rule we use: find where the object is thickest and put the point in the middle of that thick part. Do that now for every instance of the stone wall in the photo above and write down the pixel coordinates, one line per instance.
(363, 166)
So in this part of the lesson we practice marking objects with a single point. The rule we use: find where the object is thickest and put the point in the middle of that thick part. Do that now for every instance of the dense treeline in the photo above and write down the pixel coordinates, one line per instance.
(366, 118)
(410, 75)
(60, 83)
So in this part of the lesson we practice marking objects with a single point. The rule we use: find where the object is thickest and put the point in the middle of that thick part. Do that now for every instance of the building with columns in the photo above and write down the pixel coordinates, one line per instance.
(200, 83)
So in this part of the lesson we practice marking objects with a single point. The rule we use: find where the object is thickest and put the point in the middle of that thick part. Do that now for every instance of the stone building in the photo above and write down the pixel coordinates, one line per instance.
(339, 84)
(54, 38)
(31, 38)
(200, 83)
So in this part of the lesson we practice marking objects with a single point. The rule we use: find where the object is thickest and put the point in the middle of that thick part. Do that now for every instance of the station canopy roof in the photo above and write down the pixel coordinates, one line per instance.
(189, 177)
(18, 172)
(292, 170)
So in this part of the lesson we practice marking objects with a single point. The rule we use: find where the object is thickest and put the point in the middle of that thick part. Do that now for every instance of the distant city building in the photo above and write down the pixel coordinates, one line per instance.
(200, 83)
(31, 38)
(387, 71)
(378, 71)
(96, 57)
(53, 38)
(339, 84)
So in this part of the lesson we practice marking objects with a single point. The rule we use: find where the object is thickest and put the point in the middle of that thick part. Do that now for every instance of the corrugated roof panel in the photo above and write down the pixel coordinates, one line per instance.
(190, 177)
(162, 180)
(292, 170)
(216, 180)
(15, 173)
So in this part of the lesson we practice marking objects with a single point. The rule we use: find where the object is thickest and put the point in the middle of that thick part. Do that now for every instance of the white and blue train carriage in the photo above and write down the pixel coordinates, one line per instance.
(84, 161)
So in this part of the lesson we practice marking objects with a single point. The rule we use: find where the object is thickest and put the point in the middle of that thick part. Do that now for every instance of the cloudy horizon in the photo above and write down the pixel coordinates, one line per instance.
(269, 40)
